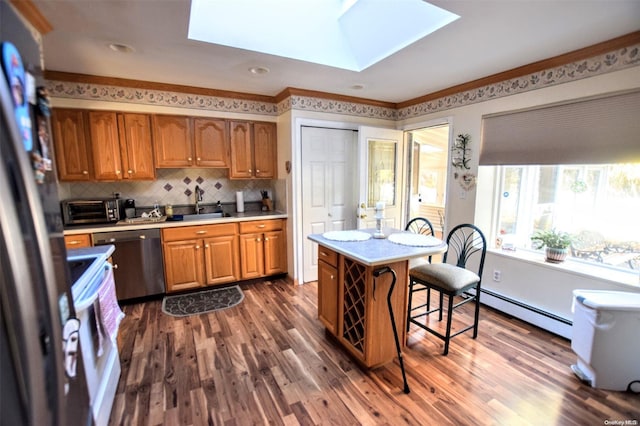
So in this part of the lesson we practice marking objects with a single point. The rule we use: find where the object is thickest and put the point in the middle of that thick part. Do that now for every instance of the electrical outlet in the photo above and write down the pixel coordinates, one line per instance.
(497, 275)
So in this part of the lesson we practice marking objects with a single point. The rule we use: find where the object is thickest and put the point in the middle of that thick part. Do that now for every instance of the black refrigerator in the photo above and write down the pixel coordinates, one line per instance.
(42, 378)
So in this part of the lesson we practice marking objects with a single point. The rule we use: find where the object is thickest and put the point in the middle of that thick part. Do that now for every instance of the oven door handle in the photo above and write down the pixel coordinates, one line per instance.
(90, 294)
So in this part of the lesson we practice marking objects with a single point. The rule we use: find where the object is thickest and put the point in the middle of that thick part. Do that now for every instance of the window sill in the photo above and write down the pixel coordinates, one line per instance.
(576, 267)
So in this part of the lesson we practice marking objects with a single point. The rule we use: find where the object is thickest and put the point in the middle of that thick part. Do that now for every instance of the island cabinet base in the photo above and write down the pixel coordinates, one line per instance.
(363, 322)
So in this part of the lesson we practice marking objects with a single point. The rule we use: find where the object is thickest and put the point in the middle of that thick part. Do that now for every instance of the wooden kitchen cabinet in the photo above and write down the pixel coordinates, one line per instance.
(182, 141)
(253, 150)
(102, 145)
(71, 144)
(136, 146)
(199, 256)
(183, 265)
(172, 141)
(121, 146)
(328, 289)
(265, 150)
(77, 241)
(105, 145)
(211, 142)
(262, 248)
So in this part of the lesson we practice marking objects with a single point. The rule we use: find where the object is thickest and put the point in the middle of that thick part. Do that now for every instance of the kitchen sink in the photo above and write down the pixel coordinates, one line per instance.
(203, 216)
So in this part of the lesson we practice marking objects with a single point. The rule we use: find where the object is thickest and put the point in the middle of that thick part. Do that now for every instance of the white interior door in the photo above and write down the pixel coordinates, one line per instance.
(381, 172)
(329, 187)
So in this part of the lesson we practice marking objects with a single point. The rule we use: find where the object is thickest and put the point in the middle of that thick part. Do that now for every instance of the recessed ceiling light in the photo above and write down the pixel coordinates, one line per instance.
(122, 48)
(357, 86)
(259, 70)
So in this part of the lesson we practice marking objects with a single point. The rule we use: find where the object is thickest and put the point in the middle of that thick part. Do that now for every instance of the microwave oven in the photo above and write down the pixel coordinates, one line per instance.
(94, 211)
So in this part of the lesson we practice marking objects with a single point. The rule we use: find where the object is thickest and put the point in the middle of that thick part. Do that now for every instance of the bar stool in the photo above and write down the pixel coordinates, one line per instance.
(465, 242)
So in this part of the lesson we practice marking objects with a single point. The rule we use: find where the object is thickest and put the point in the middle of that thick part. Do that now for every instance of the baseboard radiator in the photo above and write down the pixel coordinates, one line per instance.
(531, 314)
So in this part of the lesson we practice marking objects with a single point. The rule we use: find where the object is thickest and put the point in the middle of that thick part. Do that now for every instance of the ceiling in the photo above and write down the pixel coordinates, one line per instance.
(490, 37)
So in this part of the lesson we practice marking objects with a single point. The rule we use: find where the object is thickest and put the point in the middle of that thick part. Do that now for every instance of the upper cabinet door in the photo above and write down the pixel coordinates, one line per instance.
(264, 148)
(241, 150)
(211, 142)
(136, 146)
(172, 139)
(105, 145)
(71, 145)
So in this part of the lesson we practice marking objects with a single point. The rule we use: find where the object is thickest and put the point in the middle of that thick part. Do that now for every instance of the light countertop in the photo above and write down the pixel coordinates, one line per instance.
(123, 226)
(374, 251)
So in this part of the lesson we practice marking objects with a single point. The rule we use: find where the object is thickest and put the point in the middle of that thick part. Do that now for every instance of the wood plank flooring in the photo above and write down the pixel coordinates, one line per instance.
(267, 361)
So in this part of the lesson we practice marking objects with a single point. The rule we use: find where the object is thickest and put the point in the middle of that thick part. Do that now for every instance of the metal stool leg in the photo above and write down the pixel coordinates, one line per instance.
(376, 274)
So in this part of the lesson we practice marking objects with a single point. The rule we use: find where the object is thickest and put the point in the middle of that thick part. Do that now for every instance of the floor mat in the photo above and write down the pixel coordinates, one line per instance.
(202, 301)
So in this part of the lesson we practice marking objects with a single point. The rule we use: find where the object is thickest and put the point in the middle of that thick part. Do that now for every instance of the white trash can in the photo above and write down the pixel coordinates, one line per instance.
(606, 339)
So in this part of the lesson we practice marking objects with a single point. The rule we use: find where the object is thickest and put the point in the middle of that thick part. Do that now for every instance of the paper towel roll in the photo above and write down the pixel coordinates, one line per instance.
(239, 202)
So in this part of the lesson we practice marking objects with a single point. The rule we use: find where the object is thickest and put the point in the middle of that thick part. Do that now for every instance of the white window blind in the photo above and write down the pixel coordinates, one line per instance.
(592, 131)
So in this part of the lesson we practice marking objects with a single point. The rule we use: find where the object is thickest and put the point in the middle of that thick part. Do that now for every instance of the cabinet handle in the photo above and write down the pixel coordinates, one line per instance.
(115, 266)
(85, 172)
(130, 172)
(257, 171)
(189, 159)
(266, 239)
(260, 226)
(74, 242)
(206, 246)
(331, 276)
(324, 254)
(198, 159)
(249, 170)
(197, 247)
(258, 239)
(201, 232)
(117, 172)
(143, 237)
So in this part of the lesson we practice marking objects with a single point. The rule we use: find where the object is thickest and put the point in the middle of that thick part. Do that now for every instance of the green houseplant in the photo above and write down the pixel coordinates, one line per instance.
(557, 244)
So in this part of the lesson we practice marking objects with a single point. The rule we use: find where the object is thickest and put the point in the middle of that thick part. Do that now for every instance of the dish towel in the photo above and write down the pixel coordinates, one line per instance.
(108, 311)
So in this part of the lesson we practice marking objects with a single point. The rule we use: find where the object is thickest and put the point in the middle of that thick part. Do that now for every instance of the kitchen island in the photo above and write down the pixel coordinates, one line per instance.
(352, 301)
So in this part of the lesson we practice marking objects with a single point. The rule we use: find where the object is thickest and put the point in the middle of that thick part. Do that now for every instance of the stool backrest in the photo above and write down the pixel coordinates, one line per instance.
(419, 225)
(465, 242)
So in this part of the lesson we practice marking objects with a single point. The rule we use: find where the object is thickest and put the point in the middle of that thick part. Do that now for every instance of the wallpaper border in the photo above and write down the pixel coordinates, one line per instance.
(616, 60)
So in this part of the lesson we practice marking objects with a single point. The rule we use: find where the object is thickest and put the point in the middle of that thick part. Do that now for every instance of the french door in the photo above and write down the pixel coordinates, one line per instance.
(381, 172)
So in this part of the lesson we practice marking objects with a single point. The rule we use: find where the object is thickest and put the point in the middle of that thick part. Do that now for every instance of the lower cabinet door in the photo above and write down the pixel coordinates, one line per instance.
(221, 259)
(328, 296)
(275, 253)
(251, 256)
(184, 268)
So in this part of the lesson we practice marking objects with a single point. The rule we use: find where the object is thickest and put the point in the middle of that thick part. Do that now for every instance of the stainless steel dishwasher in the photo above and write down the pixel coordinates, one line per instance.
(137, 262)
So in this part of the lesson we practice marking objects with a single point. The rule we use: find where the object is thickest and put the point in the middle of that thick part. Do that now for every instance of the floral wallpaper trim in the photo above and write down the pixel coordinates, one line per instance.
(336, 107)
(64, 89)
(620, 59)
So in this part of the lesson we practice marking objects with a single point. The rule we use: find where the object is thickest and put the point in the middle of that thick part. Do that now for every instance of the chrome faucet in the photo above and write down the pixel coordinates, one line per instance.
(199, 193)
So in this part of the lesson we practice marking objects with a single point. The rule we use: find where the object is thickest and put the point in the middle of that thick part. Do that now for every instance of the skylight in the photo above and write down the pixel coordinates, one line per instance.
(348, 34)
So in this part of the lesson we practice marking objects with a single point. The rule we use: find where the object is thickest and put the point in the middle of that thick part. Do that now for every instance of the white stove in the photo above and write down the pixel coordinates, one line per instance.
(99, 317)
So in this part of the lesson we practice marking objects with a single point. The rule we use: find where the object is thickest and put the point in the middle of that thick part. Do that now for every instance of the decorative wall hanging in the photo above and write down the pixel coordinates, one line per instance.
(461, 152)
(467, 181)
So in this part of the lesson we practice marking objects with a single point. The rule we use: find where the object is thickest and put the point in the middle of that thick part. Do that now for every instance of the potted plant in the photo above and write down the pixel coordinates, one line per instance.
(557, 244)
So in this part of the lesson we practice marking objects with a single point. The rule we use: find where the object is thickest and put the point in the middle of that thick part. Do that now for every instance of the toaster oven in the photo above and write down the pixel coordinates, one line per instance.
(93, 211)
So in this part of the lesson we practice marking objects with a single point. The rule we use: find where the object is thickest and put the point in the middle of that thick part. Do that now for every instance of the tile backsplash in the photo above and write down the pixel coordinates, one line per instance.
(177, 187)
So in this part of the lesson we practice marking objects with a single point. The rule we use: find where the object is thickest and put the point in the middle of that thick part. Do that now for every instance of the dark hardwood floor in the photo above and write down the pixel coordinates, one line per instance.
(267, 361)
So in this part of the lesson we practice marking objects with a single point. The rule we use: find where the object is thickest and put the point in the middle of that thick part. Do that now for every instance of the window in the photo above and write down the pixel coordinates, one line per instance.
(597, 204)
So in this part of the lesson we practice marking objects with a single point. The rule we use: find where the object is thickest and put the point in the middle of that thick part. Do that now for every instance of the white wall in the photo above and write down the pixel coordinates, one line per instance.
(531, 282)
